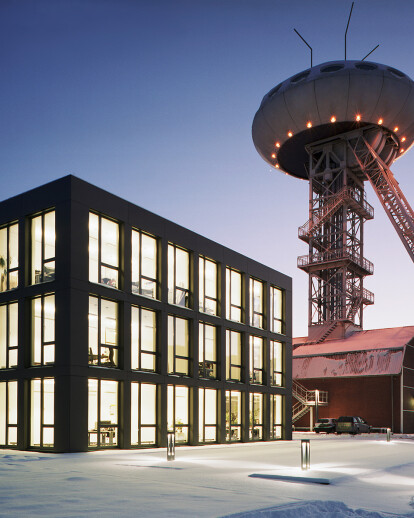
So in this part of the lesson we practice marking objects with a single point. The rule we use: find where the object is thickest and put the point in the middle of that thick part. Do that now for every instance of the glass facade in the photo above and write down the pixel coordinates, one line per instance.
(207, 415)
(43, 330)
(102, 413)
(178, 346)
(256, 359)
(43, 238)
(277, 323)
(233, 356)
(178, 276)
(9, 315)
(9, 257)
(8, 413)
(233, 415)
(207, 351)
(255, 416)
(143, 339)
(233, 295)
(143, 414)
(177, 412)
(256, 303)
(42, 414)
(276, 416)
(144, 264)
(207, 279)
(103, 250)
(103, 332)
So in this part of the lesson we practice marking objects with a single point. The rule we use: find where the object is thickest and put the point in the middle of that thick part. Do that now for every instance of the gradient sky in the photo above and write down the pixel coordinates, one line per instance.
(154, 100)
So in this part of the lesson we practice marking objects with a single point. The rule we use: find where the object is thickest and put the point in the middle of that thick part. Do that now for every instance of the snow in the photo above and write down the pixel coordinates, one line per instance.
(368, 478)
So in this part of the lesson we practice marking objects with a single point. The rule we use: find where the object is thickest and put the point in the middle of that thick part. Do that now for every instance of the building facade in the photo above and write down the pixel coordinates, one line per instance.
(118, 326)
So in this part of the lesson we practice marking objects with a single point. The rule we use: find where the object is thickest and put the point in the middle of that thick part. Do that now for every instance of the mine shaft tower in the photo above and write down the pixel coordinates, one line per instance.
(339, 125)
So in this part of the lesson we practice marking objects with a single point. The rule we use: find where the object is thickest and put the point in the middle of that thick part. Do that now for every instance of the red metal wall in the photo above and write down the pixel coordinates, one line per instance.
(375, 398)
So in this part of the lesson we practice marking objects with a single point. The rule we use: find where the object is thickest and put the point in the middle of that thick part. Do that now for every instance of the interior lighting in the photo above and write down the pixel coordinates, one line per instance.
(273, 156)
(333, 118)
(380, 121)
(309, 124)
(403, 139)
(396, 128)
(358, 118)
(290, 134)
(277, 144)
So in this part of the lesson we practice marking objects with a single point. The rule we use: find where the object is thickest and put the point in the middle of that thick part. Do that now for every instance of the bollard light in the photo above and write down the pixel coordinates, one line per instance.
(170, 446)
(305, 454)
(388, 434)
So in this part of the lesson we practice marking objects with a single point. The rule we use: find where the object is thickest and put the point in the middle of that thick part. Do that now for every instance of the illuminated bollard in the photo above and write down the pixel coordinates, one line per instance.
(388, 434)
(170, 446)
(305, 454)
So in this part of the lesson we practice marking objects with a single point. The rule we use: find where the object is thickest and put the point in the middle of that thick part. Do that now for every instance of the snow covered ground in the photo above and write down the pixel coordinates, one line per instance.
(368, 478)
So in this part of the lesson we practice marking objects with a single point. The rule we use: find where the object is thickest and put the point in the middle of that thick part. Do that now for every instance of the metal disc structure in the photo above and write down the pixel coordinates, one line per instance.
(338, 125)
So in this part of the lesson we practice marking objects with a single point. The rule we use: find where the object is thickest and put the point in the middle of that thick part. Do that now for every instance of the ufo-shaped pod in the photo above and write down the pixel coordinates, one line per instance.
(330, 99)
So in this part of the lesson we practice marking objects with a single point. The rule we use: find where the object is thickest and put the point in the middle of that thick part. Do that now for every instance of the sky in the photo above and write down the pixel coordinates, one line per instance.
(153, 100)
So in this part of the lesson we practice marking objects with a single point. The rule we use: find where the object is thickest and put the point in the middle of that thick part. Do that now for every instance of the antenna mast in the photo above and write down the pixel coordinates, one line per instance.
(306, 43)
(349, 19)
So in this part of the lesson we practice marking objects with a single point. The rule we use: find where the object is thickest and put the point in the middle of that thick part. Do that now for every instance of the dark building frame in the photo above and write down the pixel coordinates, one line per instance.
(73, 200)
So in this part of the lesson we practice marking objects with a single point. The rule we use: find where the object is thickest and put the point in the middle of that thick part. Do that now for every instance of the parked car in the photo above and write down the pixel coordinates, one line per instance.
(325, 424)
(352, 425)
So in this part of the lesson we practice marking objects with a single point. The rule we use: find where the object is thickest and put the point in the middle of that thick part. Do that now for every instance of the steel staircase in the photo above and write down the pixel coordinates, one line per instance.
(305, 400)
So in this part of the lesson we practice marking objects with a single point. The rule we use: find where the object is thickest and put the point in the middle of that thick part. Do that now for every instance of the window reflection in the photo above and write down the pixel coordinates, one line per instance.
(256, 417)
(233, 295)
(177, 412)
(8, 335)
(102, 413)
(143, 414)
(144, 264)
(43, 237)
(143, 339)
(103, 332)
(207, 351)
(8, 413)
(207, 415)
(233, 415)
(178, 276)
(207, 286)
(9, 257)
(233, 356)
(103, 250)
(42, 415)
(178, 346)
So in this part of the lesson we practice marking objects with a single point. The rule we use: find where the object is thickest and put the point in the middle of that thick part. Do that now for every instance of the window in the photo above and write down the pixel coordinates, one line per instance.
(207, 351)
(233, 295)
(102, 413)
(43, 247)
(277, 310)
(233, 356)
(256, 417)
(9, 257)
(276, 416)
(42, 414)
(178, 346)
(8, 335)
(103, 250)
(103, 332)
(276, 363)
(8, 413)
(143, 339)
(144, 264)
(143, 414)
(256, 359)
(43, 330)
(207, 286)
(207, 415)
(177, 412)
(233, 415)
(178, 276)
(256, 303)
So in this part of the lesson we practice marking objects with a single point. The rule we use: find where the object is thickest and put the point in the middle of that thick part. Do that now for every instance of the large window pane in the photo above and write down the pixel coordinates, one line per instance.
(8, 413)
(276, 360)
(102, 413)
(178, 401)
(233, 356)
(233, 295)
(143, 339)
(8, 335)
(103, 332)
(178, 346)
(178, 276)
(233, 415)
(144, 264)
(43, 330)
(207, 403)
(143, 414)
(256, 359)
(207, 351)
(208, 286)
(43, 238)
(256, 303)
(103, 250)
(256, 417)
(277, 310)
(276, 416)
(9, 257)
(42, 415)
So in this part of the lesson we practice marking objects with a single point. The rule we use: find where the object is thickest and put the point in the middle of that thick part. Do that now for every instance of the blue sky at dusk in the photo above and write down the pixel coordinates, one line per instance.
(154, 100)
